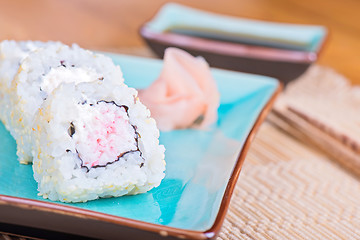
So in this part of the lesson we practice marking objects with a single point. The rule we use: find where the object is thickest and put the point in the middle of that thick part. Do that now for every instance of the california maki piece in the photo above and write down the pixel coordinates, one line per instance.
(11, 55)
(95, 140)
(70, 111)
(37, 77)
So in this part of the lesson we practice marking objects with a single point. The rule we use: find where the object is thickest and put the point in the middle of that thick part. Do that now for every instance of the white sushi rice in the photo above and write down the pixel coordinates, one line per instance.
(11, 55)
(87, 133)
(36, 78)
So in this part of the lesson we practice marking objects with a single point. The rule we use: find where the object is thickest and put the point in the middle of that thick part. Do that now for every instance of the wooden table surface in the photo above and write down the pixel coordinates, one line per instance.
(114, 24)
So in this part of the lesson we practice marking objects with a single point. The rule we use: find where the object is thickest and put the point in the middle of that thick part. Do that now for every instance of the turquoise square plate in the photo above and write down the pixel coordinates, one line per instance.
(202, 170)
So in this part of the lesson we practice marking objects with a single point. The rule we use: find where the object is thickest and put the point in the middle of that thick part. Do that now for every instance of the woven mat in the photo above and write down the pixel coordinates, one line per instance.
(289, 189)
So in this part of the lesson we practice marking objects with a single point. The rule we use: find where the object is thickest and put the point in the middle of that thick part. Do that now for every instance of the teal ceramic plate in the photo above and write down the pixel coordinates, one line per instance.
(201, 172)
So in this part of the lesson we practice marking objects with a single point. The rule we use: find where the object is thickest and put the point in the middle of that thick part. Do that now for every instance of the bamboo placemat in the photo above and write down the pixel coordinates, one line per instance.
(289, 187)
(289, 190)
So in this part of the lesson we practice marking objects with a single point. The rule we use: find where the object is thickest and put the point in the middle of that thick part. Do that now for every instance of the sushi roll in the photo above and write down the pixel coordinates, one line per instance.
(70, 112)
(37, 77)
(11, 55)
(106, 145)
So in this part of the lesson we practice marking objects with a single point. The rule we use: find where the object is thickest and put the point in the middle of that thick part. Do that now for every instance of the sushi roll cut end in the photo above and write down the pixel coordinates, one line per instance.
(103, 134)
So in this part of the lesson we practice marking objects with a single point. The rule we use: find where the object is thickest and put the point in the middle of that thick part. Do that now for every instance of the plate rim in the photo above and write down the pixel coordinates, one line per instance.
(164, 231)
(230, 49)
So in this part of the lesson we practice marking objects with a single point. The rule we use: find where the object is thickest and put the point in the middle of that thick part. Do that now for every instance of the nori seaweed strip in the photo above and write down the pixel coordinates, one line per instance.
(62, 63)
(71, 129)
(112, 102)
(122, 154)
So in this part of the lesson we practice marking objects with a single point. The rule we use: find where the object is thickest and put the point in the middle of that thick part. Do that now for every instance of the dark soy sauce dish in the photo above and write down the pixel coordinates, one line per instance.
(279, 50)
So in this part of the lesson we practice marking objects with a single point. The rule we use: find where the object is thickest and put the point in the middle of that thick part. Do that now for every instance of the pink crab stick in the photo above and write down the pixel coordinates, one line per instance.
(185, 94)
